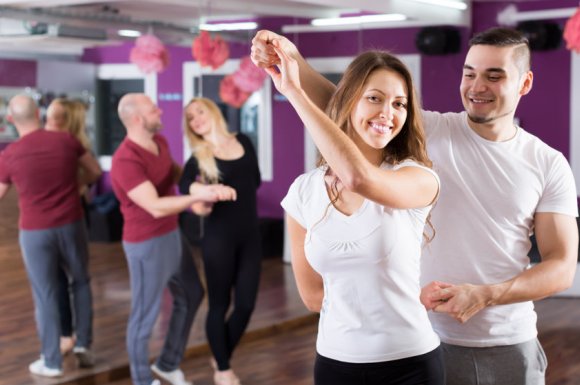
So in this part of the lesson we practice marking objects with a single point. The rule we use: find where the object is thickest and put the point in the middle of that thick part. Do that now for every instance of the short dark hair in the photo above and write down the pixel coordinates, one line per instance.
(507, 37)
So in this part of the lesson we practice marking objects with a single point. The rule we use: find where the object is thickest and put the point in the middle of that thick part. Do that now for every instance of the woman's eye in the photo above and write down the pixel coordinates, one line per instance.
(400, 105)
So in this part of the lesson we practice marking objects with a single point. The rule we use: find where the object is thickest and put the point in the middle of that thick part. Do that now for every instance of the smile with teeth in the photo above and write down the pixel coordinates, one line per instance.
(480, 100)
(380, 128)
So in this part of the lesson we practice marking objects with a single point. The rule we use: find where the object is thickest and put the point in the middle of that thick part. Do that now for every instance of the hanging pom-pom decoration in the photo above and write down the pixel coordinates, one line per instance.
(210, 52)
(248, 77)
(572, 32)
(232, 94)
(149, 54)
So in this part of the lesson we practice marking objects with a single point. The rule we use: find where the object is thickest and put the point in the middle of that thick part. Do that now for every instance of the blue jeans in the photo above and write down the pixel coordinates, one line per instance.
(44, 251)
(164, 261)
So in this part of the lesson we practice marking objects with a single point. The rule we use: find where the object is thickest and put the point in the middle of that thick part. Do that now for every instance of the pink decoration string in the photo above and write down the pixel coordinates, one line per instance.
(149, 54)
(572, 32)
(232, 94)
(248, 77)
(208, 52)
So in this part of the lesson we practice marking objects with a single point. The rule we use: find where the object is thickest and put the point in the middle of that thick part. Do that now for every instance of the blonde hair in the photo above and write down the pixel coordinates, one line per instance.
(201, 148)
(74, 117)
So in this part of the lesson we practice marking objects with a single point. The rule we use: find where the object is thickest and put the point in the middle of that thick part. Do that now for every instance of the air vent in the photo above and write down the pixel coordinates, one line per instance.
(61, 30)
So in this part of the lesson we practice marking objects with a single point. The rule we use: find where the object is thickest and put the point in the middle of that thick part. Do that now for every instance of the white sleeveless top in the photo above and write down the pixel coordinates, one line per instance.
(369, 262)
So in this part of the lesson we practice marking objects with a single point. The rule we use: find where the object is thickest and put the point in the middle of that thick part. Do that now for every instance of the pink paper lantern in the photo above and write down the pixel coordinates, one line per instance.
(232, 94)
(149, 54)
(208, 52)
(572, 32)
(248, 77)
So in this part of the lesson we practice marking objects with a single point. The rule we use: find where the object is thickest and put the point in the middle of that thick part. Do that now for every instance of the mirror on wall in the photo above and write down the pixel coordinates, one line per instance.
(253, 118)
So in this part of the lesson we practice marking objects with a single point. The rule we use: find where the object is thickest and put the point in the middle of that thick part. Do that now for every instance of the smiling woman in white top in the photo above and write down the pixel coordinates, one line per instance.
(357, 225)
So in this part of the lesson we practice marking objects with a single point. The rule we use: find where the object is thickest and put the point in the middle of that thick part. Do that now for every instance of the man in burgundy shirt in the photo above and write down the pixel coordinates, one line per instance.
(143, 176)
(43, 166)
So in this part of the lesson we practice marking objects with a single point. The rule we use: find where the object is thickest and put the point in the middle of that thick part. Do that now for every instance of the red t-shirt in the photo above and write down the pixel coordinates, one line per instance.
(43, 167)
(133, 165)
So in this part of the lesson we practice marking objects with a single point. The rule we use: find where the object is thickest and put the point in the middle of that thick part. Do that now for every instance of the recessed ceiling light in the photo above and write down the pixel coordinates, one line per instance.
(128, 33)
(358, 19)
(456, 4)
(229, 26)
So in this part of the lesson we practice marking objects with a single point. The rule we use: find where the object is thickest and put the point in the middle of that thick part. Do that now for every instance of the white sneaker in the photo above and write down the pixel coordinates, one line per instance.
(175, 377)
(156, 382)
(84, 357)
(40, 369)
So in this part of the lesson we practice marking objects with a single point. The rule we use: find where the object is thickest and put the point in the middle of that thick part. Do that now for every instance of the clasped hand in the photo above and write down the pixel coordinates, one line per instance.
(459, 301)
(271, 52)
(213, 192)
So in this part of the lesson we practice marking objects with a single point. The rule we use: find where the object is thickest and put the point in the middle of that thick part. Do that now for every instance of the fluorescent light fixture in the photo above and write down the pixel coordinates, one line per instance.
(229, 26)
(358, 19)
(456, 4)
(128, 33)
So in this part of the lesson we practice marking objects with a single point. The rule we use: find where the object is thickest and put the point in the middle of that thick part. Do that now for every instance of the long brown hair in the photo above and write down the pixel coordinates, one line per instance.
(409, 143)
(200, 148)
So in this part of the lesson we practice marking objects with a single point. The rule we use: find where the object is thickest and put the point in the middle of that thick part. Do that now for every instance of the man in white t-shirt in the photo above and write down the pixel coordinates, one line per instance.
(499, 184)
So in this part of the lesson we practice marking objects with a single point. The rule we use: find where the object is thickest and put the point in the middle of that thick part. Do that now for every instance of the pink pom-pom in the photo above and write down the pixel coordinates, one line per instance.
(149, 54)
(572, 32)
(248, 77)
(231, 94)
(208, 52)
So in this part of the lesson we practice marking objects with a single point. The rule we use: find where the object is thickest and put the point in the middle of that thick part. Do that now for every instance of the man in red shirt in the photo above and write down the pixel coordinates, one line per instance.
(143, 176)
(43, 167)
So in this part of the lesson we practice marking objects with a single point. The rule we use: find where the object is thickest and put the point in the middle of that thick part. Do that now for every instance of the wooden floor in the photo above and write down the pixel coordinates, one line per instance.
(278, 349)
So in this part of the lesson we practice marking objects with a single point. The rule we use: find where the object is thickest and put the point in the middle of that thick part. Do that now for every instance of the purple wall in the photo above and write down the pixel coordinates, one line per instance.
(440, 78)
(17, 73)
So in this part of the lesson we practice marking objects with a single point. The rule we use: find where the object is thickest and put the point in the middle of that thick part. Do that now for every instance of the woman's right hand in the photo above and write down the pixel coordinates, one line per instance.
(211, 193)
(262, 51)
(287, 78)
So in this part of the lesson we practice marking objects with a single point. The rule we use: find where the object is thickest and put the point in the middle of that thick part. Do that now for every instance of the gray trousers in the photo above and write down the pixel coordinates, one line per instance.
(520, 364)
(44, 251)
(164, 261)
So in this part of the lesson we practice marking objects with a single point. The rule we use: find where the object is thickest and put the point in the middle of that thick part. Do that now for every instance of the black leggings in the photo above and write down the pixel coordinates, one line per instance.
(426, 369)
(230, 263)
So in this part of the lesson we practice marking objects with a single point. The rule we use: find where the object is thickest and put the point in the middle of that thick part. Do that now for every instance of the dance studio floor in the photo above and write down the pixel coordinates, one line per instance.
(278, 349)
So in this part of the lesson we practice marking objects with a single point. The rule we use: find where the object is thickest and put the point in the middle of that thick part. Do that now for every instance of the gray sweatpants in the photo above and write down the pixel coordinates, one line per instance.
(520, 364)
(153, 265)
(43, 251)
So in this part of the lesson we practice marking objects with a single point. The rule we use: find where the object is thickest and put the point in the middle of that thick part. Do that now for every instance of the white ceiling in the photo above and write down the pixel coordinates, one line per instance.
(172, 20)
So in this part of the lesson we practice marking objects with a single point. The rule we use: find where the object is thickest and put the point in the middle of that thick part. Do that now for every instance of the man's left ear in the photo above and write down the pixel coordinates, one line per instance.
(527, 82)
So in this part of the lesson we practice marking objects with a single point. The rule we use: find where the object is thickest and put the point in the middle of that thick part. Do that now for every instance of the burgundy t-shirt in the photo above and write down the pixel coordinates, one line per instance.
(43, 167)
(133, 165)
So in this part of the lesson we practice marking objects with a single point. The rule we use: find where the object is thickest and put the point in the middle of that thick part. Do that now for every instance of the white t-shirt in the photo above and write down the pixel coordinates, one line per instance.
(484, 218)
(369, 262)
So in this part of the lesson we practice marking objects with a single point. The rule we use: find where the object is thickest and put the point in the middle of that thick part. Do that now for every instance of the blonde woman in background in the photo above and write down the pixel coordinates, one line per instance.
(231, 241)
(69, 116)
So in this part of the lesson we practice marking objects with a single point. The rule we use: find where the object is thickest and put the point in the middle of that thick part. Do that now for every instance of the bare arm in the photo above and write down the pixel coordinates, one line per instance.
(407, 187)
(557, 237)
(316, 86)
(145, 195)
(309, 282)
(91, 169)
(4, 189)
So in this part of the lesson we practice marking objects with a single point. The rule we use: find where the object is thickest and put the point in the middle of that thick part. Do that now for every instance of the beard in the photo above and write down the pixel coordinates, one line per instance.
(153, 127)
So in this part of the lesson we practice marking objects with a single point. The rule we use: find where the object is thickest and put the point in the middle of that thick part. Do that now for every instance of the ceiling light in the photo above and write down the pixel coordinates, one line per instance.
(456, 4)
(128, 33)
(229, 26)
(358, 19)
